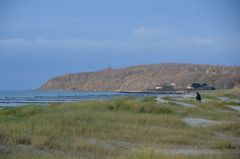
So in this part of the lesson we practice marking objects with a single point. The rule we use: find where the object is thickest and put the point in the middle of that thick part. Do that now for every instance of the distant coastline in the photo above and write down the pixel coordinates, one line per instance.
(148, 77)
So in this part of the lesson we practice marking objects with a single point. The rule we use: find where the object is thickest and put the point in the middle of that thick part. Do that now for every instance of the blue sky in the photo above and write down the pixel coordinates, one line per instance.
(40, 39)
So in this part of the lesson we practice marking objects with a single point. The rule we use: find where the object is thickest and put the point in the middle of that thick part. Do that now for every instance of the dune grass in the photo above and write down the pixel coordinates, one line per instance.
(120, 128)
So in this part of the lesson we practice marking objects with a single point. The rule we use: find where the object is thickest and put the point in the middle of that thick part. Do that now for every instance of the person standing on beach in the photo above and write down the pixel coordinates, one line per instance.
(198, 97)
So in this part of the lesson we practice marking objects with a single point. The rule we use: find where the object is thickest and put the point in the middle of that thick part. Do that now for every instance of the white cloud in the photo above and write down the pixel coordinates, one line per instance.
(66, 43)
(12, 42)
(141, 39)
(195, 41)
(76, 19)
(168, 37)
(152, 32)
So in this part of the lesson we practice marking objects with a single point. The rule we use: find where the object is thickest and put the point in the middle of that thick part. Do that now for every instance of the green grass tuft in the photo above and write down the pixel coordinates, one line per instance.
(120, 128)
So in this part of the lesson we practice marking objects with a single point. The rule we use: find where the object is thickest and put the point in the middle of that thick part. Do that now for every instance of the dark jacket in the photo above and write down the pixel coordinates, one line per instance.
(198, 97)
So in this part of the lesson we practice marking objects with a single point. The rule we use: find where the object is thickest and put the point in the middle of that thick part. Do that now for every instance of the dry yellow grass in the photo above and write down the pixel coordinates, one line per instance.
(121, 128)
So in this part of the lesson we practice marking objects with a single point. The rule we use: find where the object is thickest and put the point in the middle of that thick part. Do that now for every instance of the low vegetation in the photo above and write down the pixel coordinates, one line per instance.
(123, 128)
(144, 77)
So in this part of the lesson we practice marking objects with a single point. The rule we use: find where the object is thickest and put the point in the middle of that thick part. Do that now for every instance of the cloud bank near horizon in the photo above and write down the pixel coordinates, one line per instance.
(157, 38)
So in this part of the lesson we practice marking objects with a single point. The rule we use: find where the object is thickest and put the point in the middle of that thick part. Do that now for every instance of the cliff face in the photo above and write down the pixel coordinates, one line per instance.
(145, 77)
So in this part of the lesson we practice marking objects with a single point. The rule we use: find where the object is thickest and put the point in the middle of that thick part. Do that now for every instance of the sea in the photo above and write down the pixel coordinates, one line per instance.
(37, 97)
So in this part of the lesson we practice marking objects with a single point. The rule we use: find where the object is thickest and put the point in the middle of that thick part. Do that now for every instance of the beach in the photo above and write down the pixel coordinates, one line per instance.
(125, 128)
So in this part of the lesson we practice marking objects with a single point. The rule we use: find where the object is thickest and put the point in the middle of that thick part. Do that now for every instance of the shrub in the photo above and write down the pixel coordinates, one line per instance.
(224, 145)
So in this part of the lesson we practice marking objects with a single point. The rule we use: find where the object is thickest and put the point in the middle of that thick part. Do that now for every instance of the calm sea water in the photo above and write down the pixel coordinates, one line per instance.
(18, 98)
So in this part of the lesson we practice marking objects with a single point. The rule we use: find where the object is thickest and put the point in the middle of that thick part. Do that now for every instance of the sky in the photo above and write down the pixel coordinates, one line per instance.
(40, 39)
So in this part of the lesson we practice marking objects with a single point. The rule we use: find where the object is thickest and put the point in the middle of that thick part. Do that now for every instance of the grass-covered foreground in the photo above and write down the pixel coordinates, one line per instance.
(125, 128)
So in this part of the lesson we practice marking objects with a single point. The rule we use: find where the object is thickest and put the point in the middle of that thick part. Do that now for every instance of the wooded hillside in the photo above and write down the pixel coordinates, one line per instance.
(143, 77)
